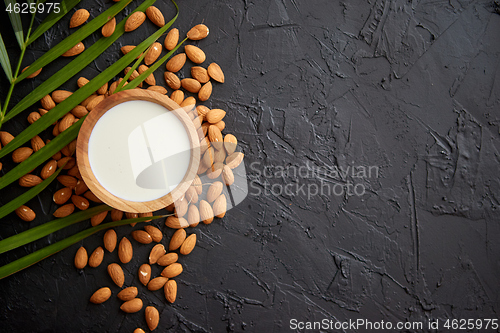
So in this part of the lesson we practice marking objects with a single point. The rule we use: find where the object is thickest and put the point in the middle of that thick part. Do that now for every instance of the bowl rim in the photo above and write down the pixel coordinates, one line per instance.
(85, 169)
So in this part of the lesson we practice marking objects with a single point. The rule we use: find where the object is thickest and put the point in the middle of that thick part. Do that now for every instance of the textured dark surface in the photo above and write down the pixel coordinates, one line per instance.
(410, 87)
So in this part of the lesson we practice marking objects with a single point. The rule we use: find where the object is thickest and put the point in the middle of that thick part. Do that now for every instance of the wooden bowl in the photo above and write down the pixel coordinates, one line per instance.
(82, 151)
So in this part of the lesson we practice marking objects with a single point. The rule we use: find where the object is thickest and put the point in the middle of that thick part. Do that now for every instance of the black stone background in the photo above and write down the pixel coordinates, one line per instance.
(412, 87)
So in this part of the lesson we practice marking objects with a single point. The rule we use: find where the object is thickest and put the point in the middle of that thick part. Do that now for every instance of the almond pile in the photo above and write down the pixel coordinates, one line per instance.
(203, 201)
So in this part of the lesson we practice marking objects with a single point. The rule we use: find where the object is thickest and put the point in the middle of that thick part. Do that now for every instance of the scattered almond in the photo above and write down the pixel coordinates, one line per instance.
(134, 21)
(176, 222)
(167, 259)
(153, 53)
(103, 89)
(220, 206)
(176, 62)
(101, 295)
(188, 245)
(81, 258)
(67, 181)
(96, 100)
(191, 85)
(157, 283)
(155, 233)
(215, 72)
(82, 81)
(170, 290)
(25, 213)
(116, 274)
(171, 39)
(150, 79)
(234, 160)
(34, 74)
(29, 180)
(109, 28)
(62, 195)
(6, 137)
(66, 122)
(96, 257)
(125, 250)
(92, 197)
(227, 175)
(198, 32)
(177, 238)
(195, 54)
(142, 236)
(33, 116)
(181, 207)
(214, 191)
(60, 95)
(205, 91)
(65, 210)
(75, 50)
(110, 240)
(230, 143)
(172, 270)
(215, 137)
(193, 216)
(116, 215)
(37, 143)
(172, 80)
(215, 115)
(21, 154)
(155, 16)
(80, 187)
(79, 18)
(144, 274)
(158, 89)
(206, 212)
(191, 195)
(132, 306)
(152, 317)
(47, 103)
(156, 252)
(128, 294)
(80, 202)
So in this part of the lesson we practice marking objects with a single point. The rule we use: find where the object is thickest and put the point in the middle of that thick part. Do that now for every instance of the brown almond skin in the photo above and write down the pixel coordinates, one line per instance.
(177, 96)
(98, 218)
(81, 258)
(67, 181)
(116, 215)
(65, 210)
(155, 233)
(234, 160)
(37, 143)
(214, 191)
(29, 180)
(62, 195)
(21, 154)
(206, 212)
(139, 330)
(205, 91)
(199, 73)
(81, 188)
(172, 270)
(142, 236)
(156, 252)
(75, 50)
(80, 202)
(157, 283)
(101, 295)
(188, 245)
(125, 250)
(158, 89)
(60, 95)
(172, 80)
(195, 54)
(33, 116)
(34, 73)
(132, 306)
(155, 16)
(128, 294)
(144, 273)
(176, 222)
(152, 317)
(79, 18)
(177, 239)
(116, 274)
(151, 78)
(193, 216)
(215, 115)
(170, 290)
(215, 72)
(153, 53)
(47, 103)
(176, 63)
(171, 39)
(168, 259)
(191, 85)
(96, 257)
(25, 213)
(227, 175)
(109, 28)
(134, 21)
(110, 240)
(230, 143)
(220, 206)
(79, 111)
(198, 32)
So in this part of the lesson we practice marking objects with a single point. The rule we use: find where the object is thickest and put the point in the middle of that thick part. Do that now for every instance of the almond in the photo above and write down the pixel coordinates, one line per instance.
(80, 202)
(6, 137)
(109, 28)
(132, 306)
(92, 197)
(62, 195)
(176, 62)
(153, 53)
(101, 295)
(208, 158)
(188, 245)
(142, 236)
(193, 216)
(220, 206)
(200, 74)
(191, 85)
(181, 207)
(215, 72)
(177, 238)
(80, 187)
(139, 330)
(176, 222)
(157, 283)
(33, 116)
(188, 104)
(79, 18)
(197, 185)
(65, 210)
(82, 81)
(116, 274)
(37, 143)
(171, 39)
(154, 232)
(206, 212)
(109, 240)
(172, 270)
(177, 96)
(215, 137)
(134, 21)
(128, 294)
(144, 274)
(96, 100)
(170, 290)
(215, 115)
(195, 54)
(133, 75)
(81, 258)
(67, 181)
(66, 122)
(198, 32)
(25, 213)
(191, 195)
(220, 155)
(146, 215)
(47, 103)
(103, 89)
(116, 215)
(156, 252)
(155, 16)
(215, 170)
(125, 250)
(214, 191)
(227, 175)
(87, 100)
(96, 257)
(60, 95)
(152, 316)
(75, 50)
(21, 154)
(221, 125)
(167, 259)
(205, 91)
(34, 74)
(127, 48)
(29, 180)
(150, 79)
(230, 143)
(234, 160)
(172, 80)
(57, 156)
(158, 89)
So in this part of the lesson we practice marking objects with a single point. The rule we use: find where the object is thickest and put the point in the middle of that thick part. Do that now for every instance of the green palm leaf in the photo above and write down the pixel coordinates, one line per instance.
(15, 20)
(4, 60)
